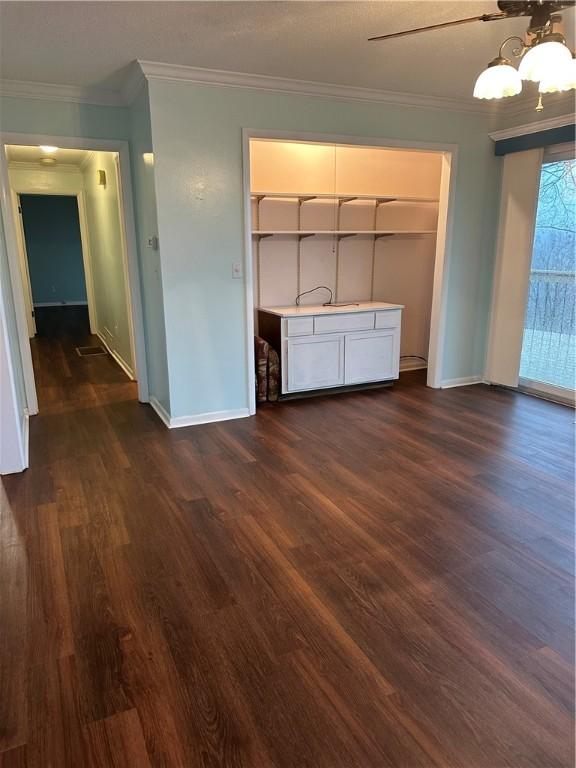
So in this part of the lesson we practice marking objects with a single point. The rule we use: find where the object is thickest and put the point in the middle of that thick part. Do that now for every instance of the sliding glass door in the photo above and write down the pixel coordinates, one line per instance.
(548, 360)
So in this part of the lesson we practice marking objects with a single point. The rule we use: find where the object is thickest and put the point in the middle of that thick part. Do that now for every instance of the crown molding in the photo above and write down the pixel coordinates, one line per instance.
(176, 73)
(527, 104)
(51, 92)
(22, 165)
(540, 125)
(134, 81)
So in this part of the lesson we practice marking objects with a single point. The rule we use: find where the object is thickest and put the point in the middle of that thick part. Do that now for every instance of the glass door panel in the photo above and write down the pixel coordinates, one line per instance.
(548, 361)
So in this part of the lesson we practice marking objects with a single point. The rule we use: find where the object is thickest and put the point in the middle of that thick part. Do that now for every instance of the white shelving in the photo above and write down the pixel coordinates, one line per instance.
(348, 198)
(360, 220)
(343, 232)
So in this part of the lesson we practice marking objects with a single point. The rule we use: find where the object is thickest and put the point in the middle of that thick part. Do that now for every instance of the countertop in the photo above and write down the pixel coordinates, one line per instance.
(319, 309)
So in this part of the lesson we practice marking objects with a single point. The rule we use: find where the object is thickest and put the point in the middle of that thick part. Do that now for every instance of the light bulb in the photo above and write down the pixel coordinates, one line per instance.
(543, 61)
(562, 80)
(498, 81)
(48, 150)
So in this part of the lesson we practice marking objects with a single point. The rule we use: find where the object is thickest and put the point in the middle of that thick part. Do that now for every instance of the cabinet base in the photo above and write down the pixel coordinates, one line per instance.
(336, 390)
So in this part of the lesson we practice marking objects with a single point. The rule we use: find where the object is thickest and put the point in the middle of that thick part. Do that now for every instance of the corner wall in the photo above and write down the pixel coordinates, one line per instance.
(142, 165)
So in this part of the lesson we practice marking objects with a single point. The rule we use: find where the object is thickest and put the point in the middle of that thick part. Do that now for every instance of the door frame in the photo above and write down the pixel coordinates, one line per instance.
(22, 252)
(444, 233)
(132, 265)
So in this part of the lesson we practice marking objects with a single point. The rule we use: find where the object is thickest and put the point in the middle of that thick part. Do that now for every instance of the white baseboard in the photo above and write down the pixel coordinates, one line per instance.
(160, 410)
(61, 304)
(465, 381)
(26, 438)
(199, 418)
(122, 363)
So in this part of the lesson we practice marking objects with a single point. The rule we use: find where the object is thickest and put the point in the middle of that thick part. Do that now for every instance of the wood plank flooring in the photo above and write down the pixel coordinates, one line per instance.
(375, 579)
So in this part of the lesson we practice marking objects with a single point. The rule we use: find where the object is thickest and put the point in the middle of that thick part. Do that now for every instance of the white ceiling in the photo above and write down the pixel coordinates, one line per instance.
(18, 154)
(92, 43)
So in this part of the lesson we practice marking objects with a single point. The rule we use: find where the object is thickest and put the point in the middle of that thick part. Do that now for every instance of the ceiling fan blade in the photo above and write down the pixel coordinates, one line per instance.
(457, 22)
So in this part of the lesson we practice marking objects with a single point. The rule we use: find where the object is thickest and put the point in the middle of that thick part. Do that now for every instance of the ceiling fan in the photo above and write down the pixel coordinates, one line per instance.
(545, 57)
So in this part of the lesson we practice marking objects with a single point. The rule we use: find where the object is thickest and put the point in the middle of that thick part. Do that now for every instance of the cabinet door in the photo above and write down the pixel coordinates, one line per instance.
(315, 362)
(372, 356)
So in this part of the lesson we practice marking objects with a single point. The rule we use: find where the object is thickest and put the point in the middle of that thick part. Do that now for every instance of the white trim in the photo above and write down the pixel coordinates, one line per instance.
(160, 410)
(178, 73)
(526, 104)
(60, 303)
(105, 145)
(24, 89)
(541, 125)
(208, 418)
(464, 381)
(18, 294)
(443, 238)
(142, 70)
(119, 359)
(23, 259)
(199, 418)
(444, 229)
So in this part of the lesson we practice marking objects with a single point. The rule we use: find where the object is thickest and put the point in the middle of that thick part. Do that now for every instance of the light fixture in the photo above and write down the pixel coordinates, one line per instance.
(498, 80)
(47, 149)
(564, 81)
(546, 61)
(545, 58)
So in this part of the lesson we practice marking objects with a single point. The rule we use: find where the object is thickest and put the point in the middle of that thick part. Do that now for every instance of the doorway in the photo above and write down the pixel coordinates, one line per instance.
(52, 245)
(343, 219)
(548, 358)
(97, 174)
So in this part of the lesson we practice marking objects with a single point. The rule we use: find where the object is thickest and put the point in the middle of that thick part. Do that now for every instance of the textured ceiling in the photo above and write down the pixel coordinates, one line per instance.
(92, 43)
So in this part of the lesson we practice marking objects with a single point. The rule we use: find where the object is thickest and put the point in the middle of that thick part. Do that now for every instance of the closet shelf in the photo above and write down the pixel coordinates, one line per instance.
(342, 232)
(380, 199)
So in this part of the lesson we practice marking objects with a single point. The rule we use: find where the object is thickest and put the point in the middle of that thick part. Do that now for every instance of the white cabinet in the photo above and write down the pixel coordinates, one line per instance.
(331, 346)
(371, 356)
(314, 362)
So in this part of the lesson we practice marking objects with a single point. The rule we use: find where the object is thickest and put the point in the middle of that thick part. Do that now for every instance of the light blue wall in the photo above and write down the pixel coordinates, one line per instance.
(53, 248)
(197, 136)
(150, 267)
(60, 118)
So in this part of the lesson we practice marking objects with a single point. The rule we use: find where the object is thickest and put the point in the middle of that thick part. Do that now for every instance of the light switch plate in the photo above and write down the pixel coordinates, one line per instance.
(236, 270)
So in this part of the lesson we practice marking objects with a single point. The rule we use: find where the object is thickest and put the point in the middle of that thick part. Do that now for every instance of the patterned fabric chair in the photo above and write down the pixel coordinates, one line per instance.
(267, 371)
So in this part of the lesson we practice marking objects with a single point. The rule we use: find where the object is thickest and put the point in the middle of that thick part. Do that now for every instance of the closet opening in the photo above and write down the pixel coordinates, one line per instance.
(346, 257)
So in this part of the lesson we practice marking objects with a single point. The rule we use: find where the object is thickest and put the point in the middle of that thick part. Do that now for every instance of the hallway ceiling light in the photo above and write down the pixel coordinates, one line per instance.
(545, 57)
(47, 149)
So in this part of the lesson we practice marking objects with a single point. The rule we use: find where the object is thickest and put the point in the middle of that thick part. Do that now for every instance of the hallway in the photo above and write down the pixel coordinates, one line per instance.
(378, 579)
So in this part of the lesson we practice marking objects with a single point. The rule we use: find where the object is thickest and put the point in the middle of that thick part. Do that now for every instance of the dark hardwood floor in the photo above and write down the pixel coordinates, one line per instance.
(375, 579)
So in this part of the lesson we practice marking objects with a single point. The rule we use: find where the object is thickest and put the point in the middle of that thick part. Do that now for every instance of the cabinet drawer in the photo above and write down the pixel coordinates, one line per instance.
(360, 321)
(388, 319)
(299, 326)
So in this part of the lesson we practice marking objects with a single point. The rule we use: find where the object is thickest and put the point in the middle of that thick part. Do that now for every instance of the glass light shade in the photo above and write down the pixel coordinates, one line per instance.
(544, 60)
(563, 80)
(497, 82)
